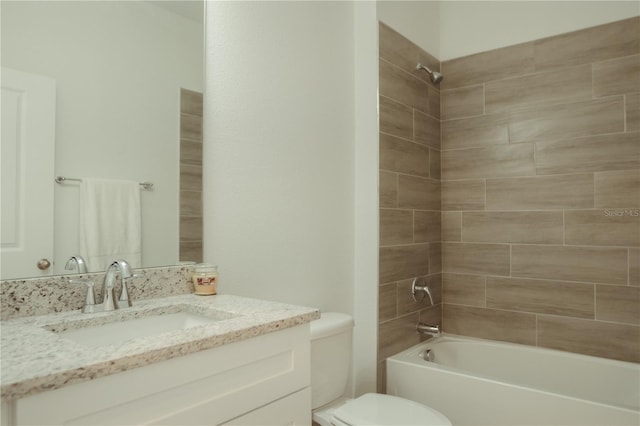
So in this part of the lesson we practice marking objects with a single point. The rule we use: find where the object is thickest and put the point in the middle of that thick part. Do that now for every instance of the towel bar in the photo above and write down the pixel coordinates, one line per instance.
(61, 179)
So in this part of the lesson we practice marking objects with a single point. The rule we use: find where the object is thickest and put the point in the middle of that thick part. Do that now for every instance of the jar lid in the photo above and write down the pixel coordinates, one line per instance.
(206, 267)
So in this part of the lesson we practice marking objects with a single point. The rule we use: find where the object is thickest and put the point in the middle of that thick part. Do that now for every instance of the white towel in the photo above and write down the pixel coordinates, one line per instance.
(110, 225)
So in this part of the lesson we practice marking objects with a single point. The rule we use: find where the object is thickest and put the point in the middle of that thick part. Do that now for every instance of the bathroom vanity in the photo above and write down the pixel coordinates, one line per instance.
(174, 360)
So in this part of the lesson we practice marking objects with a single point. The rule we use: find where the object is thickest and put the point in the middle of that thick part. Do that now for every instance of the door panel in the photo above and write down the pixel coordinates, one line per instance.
(27, 161)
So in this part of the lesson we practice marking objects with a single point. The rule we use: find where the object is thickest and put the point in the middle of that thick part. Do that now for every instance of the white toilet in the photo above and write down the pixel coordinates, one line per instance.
(330, 361)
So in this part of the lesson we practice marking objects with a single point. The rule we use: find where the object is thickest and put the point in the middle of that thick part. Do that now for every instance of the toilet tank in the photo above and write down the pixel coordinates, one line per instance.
(331, 340)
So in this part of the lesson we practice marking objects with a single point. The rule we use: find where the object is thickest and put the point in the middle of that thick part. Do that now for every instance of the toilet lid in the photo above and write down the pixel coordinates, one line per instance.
(387, 410)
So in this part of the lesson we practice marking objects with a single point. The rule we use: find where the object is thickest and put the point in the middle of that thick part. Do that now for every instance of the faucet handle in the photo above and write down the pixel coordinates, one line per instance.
(417, 288)
(90, 299)
(123, 300)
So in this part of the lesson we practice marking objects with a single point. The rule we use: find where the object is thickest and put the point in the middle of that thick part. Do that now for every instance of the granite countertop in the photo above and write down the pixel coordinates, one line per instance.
(35, 358)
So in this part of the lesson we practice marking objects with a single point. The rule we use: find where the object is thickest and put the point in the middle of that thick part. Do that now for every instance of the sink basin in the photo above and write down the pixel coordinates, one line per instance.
(115, 332)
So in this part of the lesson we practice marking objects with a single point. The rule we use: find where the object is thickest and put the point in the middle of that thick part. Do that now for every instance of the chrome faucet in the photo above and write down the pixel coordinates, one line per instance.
(108, 302)
(431, 330)
(76, 261)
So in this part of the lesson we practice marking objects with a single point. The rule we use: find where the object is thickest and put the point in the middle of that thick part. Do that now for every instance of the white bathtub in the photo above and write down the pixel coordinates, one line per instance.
(482, 382)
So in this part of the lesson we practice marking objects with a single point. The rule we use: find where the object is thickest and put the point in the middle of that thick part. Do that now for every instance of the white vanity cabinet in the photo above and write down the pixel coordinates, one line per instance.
(261, 380)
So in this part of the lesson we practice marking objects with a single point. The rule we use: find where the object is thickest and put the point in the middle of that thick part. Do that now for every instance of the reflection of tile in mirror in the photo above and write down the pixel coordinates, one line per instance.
(190, 175)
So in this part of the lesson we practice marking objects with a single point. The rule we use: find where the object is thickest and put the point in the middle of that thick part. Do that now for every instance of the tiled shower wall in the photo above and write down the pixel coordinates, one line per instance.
(541, 192)
(410, 211)
(190, 176)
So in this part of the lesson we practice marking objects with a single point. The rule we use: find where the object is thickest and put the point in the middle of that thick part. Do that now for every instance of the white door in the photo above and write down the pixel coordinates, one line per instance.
(27, 159)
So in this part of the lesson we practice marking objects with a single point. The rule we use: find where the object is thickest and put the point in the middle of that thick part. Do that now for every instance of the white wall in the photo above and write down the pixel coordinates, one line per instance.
(365, 303)
(279, 151)
(419, 21)
(119, 67)
(468, 27)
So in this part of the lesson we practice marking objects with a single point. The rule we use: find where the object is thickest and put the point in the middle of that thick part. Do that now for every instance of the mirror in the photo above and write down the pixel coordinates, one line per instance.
(119, 69)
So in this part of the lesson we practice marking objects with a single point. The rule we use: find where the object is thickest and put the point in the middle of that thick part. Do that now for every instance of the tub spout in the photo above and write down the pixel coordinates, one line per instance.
(431, 330)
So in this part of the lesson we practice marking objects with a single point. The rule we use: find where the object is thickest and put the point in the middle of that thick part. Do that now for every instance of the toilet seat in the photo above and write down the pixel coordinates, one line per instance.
(386, 410)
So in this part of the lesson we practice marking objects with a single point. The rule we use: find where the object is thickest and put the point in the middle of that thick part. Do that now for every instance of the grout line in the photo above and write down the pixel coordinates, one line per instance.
(593, 187)
(484, 99)
(485, 291)
(593, 91)
(413, 123)
(624, 112)
(564, 229)
(413, 226)
(485, 194)
(510, 259)
(595, 302)
(628, 266)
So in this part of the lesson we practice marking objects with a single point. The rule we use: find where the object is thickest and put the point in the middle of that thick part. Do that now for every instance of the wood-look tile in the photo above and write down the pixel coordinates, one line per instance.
(617, 76)
(494, 161)
(618, 304)
(487, 66)
(396, 227)
(541, 296)
(435, 166)
(399, 50)
(620, 151)
(533, 227)
(608, 227)
(460, 289)
(632, 107)
(190, 152)
(427, 129)
(586, 264)
(475, 132)
(616, 341)
(406, 304)
(388, 189)
(387, 302)
(395, 118)
(403, 262)
(452, 226)
(397, 84)
(190, 228)
(190, 178)
(426, 227)
(634, 266)
(592, 117)
(435, 258)
(434, 103)
(190, 203)
(191, 102)
(617, 189)
(593, 44)
(565, 85)
(381, 381)
(397, 335)
(463, 102)
(514, 327)
(541, 192)
(463, 195)
(418, 193)
(190, 127)
(400, 155)
(473, 258)
(190, 251)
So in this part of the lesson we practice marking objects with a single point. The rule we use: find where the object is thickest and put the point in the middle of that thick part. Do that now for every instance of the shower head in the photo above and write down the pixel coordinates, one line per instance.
(434, 76)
